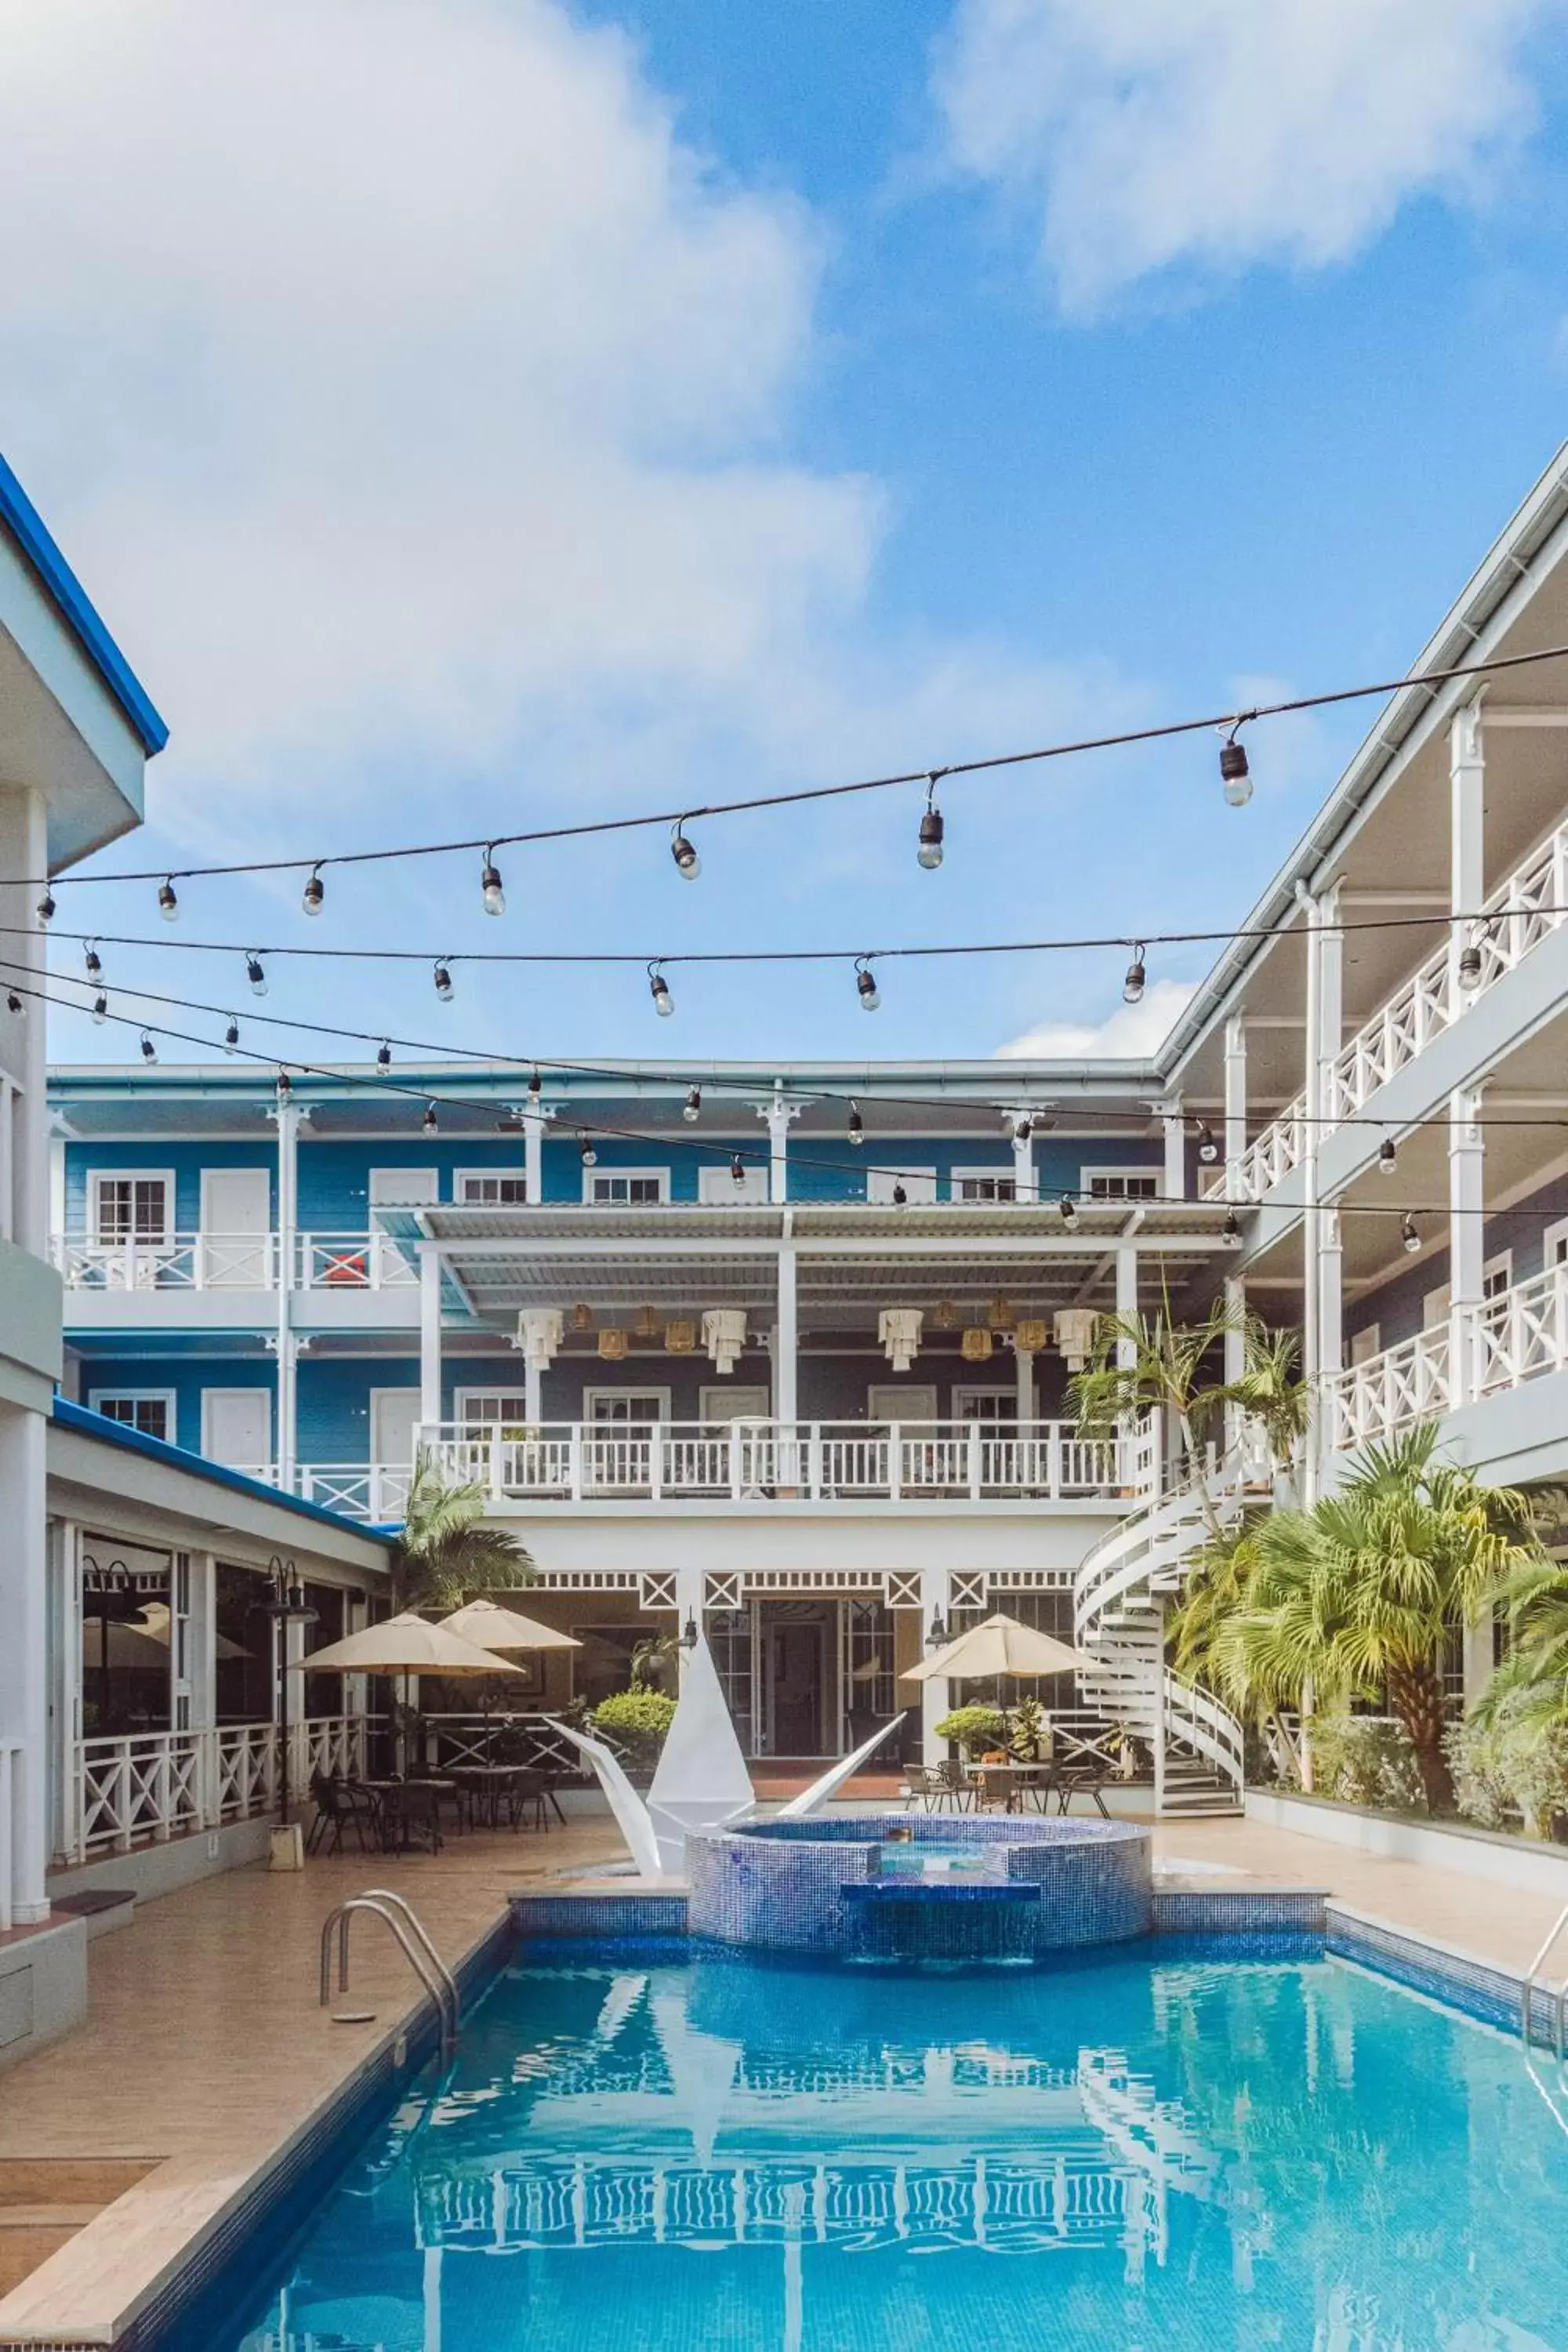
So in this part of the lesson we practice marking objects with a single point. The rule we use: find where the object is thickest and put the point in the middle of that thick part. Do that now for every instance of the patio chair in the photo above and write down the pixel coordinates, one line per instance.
(1085, 1779)
(339, 1805)
(528, 1788)
(411, 1816)
(921, 1787)
(957, 1788)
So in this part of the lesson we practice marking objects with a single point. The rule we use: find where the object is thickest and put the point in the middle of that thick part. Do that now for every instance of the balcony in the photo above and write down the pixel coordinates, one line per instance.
(759, 1462)
(204, 1261)
(1530, 905)
(1516, 1337)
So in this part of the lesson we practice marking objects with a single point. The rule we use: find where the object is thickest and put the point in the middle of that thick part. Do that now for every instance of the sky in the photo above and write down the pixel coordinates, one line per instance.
(475, 416)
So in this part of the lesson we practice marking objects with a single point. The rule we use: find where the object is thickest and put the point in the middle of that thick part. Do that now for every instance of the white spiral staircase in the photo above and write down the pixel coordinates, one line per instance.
(1119, 1612)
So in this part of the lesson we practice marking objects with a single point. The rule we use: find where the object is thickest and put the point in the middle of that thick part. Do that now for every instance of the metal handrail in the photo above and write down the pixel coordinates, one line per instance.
(422, 1934)
(437, 1980)
(1559, 1997)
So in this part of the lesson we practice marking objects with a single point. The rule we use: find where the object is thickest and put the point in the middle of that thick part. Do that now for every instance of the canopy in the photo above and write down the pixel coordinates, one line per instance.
(1001, 1645)
(494, 1628)
(407, 1644)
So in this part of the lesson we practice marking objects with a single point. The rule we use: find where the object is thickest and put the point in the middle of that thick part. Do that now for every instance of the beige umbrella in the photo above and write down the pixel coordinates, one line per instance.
(408, 1644)
(998, 1646)
(495, 1628)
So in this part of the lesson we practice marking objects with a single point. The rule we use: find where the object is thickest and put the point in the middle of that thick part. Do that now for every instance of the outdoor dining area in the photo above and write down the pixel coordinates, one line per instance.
(411, 1810)
(1002, 1649)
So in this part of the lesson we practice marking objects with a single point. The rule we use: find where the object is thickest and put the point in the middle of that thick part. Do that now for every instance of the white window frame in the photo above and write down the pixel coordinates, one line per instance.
(1115, 1182)
(710, 1394)
(97, 1178)
(98, 1398)
(591, 1396)
(1502, 1261)
(958, 1176)
(462, 1177)
(880, 1184)
(463, 1398)
(973, 1392)
(1554, 1244)
(717, 1188)
(1358, 1351)
(594, 1177)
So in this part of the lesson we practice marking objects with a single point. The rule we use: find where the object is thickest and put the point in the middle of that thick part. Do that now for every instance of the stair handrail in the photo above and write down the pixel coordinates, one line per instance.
(422, 1934)
(1209, 1725)
(1559, 1996)
(436, 1979)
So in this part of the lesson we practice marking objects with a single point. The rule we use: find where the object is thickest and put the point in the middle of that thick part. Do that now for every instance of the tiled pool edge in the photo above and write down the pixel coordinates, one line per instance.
(315, 2145)
(1480, 1988)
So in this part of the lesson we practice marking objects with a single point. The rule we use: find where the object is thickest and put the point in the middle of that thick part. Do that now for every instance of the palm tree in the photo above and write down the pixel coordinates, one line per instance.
(1269, 1388)
(1167, 1369)
(445, 1554)
(1357, 1596)
(1536, 1600)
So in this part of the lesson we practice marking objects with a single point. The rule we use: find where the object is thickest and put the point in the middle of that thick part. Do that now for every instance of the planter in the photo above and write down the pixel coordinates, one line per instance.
(1523, 1863)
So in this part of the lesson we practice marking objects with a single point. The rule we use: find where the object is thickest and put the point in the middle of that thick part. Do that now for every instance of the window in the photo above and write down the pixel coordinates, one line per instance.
(987, 1405)
(1120, 1184)
(484, 1408)
(982, 1184)
(474, 1188)
(626, 1188)
(130, 1208)
(149, 1411)
(1554, 1244)
(919, 1184)
(1497, 1275)
(618, 1407)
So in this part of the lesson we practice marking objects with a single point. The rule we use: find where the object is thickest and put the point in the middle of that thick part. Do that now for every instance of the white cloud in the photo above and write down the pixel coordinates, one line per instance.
(1208, 135)
(1133, 1033)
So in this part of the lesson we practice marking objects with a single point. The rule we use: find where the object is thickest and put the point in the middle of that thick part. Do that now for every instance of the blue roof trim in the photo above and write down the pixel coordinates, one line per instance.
(29, 529)
(116, 1432)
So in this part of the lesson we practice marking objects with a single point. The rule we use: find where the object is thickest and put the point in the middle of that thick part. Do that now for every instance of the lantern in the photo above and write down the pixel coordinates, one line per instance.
(613, 1345)
(976, 1346)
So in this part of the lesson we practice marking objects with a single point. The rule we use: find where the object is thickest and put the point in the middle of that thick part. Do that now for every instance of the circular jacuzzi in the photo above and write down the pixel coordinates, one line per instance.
(1002, 1888)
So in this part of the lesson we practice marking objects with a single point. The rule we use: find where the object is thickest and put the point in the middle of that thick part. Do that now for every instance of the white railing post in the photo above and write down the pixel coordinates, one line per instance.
(895, 1463)
(1053, 1461)
(496, 1465)
(814, 1461)
(574, 1462)
(656, 1460)
(976, 1462)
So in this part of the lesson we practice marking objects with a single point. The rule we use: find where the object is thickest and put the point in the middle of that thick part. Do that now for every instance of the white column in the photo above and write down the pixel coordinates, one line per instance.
(1311, 1329)
(1126, 1297)
(786, 1341)
(1234, 1352)
(202, 1637)
(1466, 820)
(781, 1115)
(64, 1543)
(288, 1351)
(1235, 1103)
(1330, 1291)
(1466, 1237)
(1175, 1181)
(936, 1601)
(1023, 1366)
(429, 1332)
(532, 1391)
(57, 1184)
(25, 1655)
(1024, 1185)
(1331, 1002)
(286, 1437)
(535, 1120)
(1478, 1656)
(24, 850)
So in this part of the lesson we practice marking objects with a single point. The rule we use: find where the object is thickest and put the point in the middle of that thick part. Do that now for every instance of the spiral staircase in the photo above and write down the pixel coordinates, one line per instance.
(1118, 1611)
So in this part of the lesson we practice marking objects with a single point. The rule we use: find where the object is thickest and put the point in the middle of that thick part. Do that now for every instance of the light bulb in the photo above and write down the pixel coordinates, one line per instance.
(1408, 1234)
(490, 888)
(149, 1051)
(1234, 773)
(315, 890)
(100, 1009)
(430, 1122)
(685, 859)
(13, 1001)
(856, 1125)
(231, 1036)
(1068, 1208)
(1232, 1226)
(929, 851)
(384, 1057)
(693, 1107)
(94, 964)
(443, 979)
(738, 1169)
(901, 1198)
(1209, 1149)
(255, 975)
(1470, 964)
(1132, 986)
(168, 904)
(285, 1086)
(864, 981)
(585, 1147)
(47, 905)
(1387, 1156)
(659, 989)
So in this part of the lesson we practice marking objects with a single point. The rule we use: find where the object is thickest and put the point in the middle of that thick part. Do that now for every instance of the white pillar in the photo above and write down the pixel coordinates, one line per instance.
(429, 1332)
(64, 1541)
(288, 1351)
(1311, 1329)
(1126, 1297)
(1235, 1103)
(1478, 1656)
(535, 1120)
(1174, 1182)
(1024, 1185)
(1234, 1352)
(936, 1602)
(1330, 1291)
(1467, 1238)
(532, 1391)
(1023, 1366)
(286, 1436)
(25, 1655)
(786, 1341)
(24, 850)
(202, 1637)
(781, 1115)
(1467, 819)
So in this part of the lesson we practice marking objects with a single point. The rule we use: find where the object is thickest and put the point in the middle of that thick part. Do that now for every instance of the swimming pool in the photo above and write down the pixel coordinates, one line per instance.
(1151, 2150)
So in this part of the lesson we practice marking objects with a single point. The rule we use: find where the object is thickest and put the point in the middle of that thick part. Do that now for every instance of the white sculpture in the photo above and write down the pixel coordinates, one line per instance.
(811, 1799)
(631, 1814)
(701, 1780)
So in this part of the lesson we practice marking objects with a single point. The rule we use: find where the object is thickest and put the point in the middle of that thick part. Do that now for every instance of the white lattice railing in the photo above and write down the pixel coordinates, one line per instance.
(1410, 1382)
(754, 1459)
(1516, 1337)
(1530, 905)
(352, 1261)
(1520, 1333)
(453, 1741)
(149, 1786)
(177, 1261)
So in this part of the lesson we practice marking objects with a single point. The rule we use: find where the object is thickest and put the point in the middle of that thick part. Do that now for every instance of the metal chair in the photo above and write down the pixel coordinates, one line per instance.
(339, 1805)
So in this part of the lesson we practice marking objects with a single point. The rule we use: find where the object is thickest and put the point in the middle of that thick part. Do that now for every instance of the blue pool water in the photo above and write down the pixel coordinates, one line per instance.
(1153, 2149)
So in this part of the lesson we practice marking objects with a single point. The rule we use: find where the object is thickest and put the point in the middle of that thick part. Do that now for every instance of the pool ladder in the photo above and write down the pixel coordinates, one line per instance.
(1551, 2094)
(417, 1947)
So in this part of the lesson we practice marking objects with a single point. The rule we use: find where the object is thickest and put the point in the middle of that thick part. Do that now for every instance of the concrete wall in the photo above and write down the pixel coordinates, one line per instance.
(43, 1988)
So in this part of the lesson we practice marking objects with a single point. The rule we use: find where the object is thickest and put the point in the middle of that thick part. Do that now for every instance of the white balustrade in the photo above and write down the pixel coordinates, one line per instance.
(1517, 1336)
(353, 1261)
(1521, 1333)
(1406, 1383)
(817, 1461)
(175, 1261)
(148, 1787)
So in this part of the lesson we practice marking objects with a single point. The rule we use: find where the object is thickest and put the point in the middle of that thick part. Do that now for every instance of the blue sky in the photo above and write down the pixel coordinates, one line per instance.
(489, 413)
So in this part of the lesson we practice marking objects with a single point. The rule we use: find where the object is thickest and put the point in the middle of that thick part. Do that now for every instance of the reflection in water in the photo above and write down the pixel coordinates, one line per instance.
(1114, 2153)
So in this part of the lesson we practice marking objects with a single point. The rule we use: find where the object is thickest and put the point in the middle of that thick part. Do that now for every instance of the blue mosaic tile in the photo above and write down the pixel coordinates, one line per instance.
(599, 1916)
(1224, 1911)
(1494, 1995)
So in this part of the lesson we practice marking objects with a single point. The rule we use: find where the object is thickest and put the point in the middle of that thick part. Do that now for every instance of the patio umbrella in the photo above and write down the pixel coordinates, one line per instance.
(405, 1645)
(495, 1628)
(999, 1645)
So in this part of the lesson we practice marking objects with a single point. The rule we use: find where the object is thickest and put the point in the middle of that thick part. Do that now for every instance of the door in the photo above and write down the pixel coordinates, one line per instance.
(400, 1188)
(393, 1417)
(795, 1673)
(237, 1228)
(914, 1404)
(236, 1428)
(618, 1452)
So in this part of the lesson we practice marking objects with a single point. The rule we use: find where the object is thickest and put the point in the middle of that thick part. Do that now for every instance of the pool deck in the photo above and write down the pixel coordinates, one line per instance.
(205, 2054)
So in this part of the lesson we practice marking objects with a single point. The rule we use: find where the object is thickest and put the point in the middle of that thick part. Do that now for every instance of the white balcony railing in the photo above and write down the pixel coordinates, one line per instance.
(815, 1461)
(176, 1262)
(1531, 905)
(1516, 1337)
(152, 1786)
(352, 1261)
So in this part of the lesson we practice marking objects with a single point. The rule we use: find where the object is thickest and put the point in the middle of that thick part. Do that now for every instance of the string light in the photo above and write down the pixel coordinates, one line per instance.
(901, 1198)
(443, 979)
(738, 1167)
(384, 1057)
(47, 905)
(94, 964)
(100, 1009)
(687, 863)
(149, 1051)
(865, 981)
(168, 904)
(585, 1148)
(1387, 1156)
(659, 989)
(491, 890)
(285, 1086)
(1469, 965)
(857, 1126)
(1209, 1149)
(929, 851)
(255, 974)
(430, 1123)
(1233, 768)
(1132, 986)
(231, 1036)
(1068, 1208)
(535, 1087)
(691, 1109)
(13, 1001)
(314, 892)
(1232, 1226)
(1408, 1234)
(1023, 1130)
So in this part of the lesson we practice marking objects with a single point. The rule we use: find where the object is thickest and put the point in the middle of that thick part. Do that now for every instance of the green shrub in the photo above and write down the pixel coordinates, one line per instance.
(1363, 1762)
(975, 1730)
(1509, 1762)
(637, 1722)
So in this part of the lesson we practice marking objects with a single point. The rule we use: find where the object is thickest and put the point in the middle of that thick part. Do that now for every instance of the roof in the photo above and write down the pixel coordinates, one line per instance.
(27, 527)
(97, 1426)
